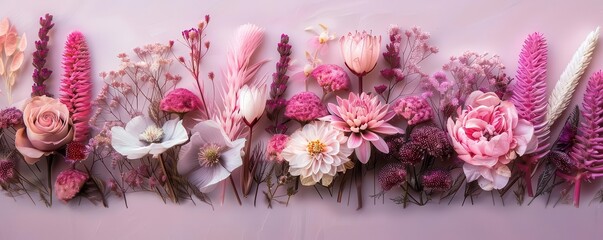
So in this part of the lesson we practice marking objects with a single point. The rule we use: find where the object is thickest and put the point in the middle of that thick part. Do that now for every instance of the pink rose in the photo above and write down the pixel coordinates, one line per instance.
(47, 128)
(487, 135)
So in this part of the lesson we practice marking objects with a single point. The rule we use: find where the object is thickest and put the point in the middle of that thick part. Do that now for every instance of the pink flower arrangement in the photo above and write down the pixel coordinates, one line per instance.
(487, 136)
(364, 117)
(69, 183)
(305, 107)
(180, 100)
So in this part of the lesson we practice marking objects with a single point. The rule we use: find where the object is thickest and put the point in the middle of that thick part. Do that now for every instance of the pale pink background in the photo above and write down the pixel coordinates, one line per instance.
(115, 26)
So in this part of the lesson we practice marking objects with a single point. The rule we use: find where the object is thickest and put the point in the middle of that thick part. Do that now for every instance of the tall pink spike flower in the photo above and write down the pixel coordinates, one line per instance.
(240, 70)
(529, 97)
(364, 117)
(76, 87)
(587, 151)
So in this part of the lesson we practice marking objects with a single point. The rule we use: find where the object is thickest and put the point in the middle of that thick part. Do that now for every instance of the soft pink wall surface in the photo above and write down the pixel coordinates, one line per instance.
(498, 27)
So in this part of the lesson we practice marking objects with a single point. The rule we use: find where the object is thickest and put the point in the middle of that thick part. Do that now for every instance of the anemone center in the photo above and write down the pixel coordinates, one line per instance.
(152, 134)
(209, 155)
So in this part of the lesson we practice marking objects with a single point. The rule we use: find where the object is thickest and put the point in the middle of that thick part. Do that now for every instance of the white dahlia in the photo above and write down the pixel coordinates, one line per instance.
(316, 153)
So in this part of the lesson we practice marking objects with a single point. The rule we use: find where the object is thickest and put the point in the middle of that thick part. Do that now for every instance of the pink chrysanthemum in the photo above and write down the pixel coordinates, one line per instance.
(305, 107)
(180, 100)
(391, 174)
(277, 143)
(69, 183)
(364, 117)
(7, 170)
(331, 77)
(414, 109)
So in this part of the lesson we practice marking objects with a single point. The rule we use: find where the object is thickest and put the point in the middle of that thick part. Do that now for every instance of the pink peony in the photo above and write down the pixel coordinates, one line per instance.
(487, 135)
(277, 143)
(331, 77)
(414, 109)
(305, 107)
(47, 128)
(180, 100)
(363, 117)
(69, 183)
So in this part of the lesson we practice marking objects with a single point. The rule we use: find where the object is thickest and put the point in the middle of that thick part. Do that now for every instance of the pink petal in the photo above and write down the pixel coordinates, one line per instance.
(363, 152)
(10, 44)
(387, 129)
(22, 43)
(4, 25)
(355, 140)
(17, 62)
(24, 146)
(369, 136)
(381, 145)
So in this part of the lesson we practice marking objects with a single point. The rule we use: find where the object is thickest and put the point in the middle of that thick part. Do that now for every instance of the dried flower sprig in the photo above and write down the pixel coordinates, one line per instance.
(529, 97)
(403, 60)
(319, 42)
(587, 152)
(76, 85)
(277, 102)
(11, 54)
(564, 89)
(41, 73)
(194, 40)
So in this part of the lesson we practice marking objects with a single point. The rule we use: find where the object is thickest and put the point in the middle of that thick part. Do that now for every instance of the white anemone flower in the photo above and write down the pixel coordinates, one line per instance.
(210, 156)
(141, 137)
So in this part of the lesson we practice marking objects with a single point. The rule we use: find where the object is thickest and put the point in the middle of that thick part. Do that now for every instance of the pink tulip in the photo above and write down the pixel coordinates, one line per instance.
(360, 52)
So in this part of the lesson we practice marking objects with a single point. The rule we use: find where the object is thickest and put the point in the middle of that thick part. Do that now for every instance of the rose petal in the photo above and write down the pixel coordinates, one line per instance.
(24, 146)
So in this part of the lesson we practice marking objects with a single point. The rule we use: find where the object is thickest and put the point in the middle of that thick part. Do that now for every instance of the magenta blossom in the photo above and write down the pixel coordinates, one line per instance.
(331, 77)
(304, 107)
(69, 183)
(180, 100)
(364, 117)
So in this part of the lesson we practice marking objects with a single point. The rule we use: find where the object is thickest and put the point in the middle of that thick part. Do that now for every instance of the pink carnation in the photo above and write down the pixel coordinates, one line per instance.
(305, 107)
(414, 109)
(69, 183)
(11, 117)
(277, 143)
(180, 100)
(331, 77)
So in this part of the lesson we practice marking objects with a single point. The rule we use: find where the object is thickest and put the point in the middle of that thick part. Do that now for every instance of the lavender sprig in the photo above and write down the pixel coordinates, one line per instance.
(41, 73)
(276, 104)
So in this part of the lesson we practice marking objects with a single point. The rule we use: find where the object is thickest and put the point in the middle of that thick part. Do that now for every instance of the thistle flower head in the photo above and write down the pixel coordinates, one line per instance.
(392, 174)
(437, 180)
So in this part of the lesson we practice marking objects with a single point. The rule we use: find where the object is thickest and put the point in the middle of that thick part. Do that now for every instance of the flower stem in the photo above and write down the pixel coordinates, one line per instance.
(360, 84)
(170, 186)
(234, 188)
(49, 161)
(358, 182)
(246, 179)
(578, 182)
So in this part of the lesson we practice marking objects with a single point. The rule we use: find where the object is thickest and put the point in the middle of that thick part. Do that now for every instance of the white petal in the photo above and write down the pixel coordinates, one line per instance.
(231, 159)
(138, 125)
(127, 144)
(188, 156)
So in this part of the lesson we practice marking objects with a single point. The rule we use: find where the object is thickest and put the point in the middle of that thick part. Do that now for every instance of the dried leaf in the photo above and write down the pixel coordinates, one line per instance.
(22, 43)
(10, 43)
(4, 25)
(545, 178)
(16, 64)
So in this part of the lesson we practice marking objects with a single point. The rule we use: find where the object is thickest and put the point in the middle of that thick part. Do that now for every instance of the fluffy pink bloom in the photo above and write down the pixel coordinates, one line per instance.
(391, 175)
(69, 183)
(487, 135)
(364, 117)
(360, 52)
(305, 107)
(180, 100)
(331, 77)
(47, 128)
(277, 143)
(10, 117)
(414, 109)
(76, 87)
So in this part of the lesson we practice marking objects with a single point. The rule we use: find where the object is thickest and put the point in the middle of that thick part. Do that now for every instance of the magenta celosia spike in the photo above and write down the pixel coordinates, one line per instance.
(75, 91)
(587, 151)
(529, 97)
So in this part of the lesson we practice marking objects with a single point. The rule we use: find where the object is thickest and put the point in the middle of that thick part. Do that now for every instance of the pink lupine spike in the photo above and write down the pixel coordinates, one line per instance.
(586, 151)
(529, 97)
(76, 87)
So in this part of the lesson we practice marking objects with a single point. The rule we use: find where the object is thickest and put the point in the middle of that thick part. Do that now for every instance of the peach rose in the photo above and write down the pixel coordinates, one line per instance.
(488, 135)
(47, 128)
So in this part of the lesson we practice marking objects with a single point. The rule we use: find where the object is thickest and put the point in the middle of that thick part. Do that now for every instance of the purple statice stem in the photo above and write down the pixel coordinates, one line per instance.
(41, 73)
(276, 104)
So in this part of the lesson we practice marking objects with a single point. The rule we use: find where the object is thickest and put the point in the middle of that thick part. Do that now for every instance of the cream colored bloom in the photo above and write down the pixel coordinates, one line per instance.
(316, 153)
(252, 101)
